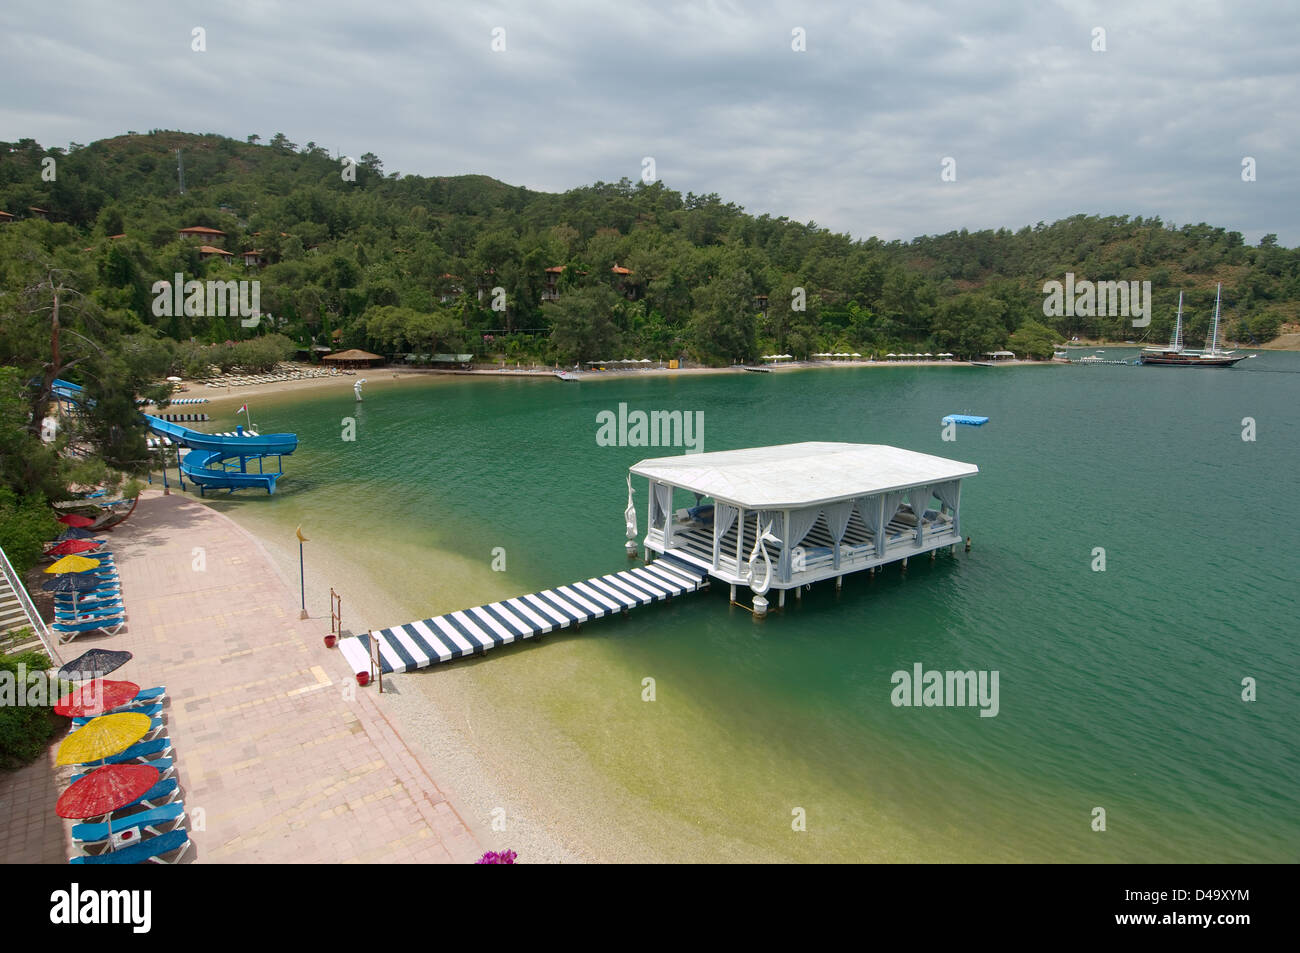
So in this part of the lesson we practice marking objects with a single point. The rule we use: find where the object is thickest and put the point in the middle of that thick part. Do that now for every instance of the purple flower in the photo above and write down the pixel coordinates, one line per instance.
(493, 857)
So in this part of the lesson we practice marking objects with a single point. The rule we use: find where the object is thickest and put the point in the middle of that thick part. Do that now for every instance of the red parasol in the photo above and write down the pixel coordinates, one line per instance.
(95, 698)
(72, 519)
(106, 789)
(72, 546)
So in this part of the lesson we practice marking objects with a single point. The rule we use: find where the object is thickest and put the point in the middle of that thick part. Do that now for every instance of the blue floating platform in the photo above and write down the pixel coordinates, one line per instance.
(967, 419)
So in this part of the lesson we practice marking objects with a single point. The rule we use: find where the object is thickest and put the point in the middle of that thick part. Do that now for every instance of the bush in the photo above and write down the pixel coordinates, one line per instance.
(26, 523)
(26, 730)
(1265, 327)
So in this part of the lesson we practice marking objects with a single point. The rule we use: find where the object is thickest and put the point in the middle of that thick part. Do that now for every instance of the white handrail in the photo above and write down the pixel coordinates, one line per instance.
(29, 608)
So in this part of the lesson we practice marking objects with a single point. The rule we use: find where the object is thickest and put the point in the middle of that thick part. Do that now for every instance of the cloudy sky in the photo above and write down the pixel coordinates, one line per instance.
(850, 132)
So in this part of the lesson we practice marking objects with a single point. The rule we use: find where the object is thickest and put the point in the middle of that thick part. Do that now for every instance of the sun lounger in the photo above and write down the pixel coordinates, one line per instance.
(97, 833)
(84, 613)
(166, 769)
(147, 851)
(147, 697)
(153, 711)
(142, 751)
(69, 631)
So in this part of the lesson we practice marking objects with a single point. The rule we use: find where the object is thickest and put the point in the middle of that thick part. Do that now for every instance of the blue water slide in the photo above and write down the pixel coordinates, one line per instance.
(210, 460)
(209, 464)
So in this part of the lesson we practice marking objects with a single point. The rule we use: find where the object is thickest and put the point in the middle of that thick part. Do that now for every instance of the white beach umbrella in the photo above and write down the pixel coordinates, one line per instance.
(891, 354)
(855, 354)
(928, 354)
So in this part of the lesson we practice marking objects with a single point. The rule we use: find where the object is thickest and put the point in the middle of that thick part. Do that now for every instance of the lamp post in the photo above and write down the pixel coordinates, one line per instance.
(302, 578)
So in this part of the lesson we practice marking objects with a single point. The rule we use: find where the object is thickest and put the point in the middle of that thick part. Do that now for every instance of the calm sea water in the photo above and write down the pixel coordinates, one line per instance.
(1119, 689)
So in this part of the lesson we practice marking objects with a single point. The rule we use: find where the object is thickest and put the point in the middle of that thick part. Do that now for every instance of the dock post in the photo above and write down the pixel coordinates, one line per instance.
(798, 594)
(933, 553)
(780, 599)
(733, 592)
(839, 583)
(904, 563)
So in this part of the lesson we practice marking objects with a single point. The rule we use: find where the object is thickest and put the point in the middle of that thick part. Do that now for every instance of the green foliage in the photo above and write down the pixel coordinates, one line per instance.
(373, 257)
(25, 730)
(1034, 340)
(26, 524)
(1265, 327)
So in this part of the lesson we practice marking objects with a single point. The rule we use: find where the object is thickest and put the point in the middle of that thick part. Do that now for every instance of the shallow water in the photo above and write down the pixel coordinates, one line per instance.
(1119, 689)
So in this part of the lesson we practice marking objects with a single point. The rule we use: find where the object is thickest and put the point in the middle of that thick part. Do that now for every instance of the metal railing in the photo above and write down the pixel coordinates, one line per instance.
(29, 609)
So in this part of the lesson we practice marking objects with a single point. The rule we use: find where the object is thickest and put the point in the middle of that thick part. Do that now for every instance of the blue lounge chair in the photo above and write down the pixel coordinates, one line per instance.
(169, 815)
(148, 851)
(165, 768)
(153, 711)
(69, 631)
(84, 614)
(142, 751)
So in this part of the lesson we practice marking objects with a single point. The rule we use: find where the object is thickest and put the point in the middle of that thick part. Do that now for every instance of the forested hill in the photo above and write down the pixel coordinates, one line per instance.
(352, 256)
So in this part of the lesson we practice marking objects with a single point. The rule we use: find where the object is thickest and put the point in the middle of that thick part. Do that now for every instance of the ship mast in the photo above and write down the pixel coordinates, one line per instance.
(1214, 334)
(1177, 343)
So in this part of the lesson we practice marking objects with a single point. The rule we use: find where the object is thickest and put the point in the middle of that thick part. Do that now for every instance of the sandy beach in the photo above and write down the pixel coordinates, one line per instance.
(198, 389)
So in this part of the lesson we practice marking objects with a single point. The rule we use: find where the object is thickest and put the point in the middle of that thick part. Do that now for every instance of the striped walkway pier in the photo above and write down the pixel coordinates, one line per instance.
(404, 648)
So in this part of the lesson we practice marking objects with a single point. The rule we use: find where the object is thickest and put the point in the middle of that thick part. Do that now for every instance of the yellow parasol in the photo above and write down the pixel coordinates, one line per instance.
(102, 737)
(72, 563)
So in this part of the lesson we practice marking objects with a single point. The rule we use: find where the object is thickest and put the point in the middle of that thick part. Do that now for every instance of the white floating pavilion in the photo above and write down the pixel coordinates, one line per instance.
(822, 510)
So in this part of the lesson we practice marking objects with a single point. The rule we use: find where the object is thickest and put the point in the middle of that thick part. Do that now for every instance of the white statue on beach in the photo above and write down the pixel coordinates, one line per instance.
(356, 388)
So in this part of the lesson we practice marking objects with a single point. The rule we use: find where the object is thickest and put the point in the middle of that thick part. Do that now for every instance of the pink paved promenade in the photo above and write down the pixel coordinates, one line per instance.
(276, 764)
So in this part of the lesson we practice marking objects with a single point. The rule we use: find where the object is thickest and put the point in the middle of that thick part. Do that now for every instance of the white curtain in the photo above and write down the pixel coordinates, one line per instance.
(723, 516)
(893, 502)
(801, 523)
(662, 494)
(949, 495)
(837, 521)
(919, 498)
(869, 511)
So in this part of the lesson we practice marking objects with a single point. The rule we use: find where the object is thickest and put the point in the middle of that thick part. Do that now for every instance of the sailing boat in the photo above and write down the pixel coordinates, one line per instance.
(1176, 354)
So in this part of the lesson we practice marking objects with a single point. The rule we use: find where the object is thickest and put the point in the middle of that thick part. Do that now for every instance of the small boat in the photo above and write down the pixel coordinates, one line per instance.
(982, 364)
(1175, 355)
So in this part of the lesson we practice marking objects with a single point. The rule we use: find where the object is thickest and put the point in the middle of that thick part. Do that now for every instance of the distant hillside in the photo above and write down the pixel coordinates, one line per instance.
(349, 255)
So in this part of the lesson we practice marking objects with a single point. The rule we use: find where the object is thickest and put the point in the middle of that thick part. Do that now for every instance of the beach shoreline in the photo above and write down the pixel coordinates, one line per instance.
(215, 395)
(431, 717)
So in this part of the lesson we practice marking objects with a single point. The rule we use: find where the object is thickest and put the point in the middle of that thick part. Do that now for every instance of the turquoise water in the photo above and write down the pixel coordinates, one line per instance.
(1119, 689)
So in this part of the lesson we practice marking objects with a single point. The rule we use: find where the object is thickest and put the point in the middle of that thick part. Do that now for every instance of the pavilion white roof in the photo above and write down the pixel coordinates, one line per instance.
(795, 475)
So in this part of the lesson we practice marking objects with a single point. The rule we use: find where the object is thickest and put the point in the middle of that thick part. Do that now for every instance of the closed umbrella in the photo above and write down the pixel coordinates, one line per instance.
(93, 664)
(95, 698)
(102, 738)
(74, 519)
(72, 564)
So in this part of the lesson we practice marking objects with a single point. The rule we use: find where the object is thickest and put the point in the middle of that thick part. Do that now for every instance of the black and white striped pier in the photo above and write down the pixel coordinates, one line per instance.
(472, 631)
